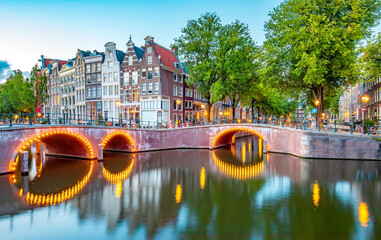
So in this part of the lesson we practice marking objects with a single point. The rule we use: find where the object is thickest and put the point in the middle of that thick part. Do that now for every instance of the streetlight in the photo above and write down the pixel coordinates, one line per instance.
(118, 103)
(364, 99)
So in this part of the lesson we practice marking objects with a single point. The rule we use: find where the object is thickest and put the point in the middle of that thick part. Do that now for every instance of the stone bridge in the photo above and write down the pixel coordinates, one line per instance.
(88, 142)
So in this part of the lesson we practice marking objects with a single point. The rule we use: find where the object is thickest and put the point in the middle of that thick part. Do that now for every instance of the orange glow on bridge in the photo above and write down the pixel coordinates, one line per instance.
(57, 198)
(234, 130)
(120, 133)
(238, 172)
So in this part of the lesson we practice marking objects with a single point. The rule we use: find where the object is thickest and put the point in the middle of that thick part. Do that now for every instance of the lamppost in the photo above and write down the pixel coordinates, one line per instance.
(317, 105)
(178, 101)
(118, 103)
(364, 99)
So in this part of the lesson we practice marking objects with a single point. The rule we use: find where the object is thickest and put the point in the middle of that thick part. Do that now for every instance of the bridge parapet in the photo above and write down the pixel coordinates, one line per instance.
(308, 144)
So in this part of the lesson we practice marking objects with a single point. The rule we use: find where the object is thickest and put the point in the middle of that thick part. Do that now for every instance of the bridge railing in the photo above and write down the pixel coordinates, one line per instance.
(20, 119)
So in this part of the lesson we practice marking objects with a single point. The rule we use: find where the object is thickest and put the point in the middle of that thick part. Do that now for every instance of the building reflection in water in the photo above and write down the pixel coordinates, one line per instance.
(194, 194)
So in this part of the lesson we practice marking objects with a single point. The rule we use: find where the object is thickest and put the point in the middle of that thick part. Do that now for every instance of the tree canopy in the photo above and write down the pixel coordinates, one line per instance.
(311, 45)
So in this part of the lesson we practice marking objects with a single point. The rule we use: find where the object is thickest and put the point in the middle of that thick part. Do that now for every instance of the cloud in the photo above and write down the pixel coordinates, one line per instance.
(4, 66)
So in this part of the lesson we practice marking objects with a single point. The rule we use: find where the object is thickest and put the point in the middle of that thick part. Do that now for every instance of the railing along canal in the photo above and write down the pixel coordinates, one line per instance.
(21, 119)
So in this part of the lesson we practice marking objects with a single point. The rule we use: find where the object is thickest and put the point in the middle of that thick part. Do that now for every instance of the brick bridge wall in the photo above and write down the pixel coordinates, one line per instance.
(309, 144)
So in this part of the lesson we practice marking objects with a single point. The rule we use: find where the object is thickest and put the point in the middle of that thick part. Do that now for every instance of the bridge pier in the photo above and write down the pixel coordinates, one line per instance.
(24, 163)
(100, 150)
(264, 147)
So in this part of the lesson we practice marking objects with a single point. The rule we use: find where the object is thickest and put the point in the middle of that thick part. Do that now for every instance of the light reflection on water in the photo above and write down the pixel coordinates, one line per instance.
(229, 193)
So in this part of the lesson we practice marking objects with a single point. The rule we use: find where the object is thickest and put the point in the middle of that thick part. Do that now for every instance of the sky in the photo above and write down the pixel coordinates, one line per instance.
(57, 28)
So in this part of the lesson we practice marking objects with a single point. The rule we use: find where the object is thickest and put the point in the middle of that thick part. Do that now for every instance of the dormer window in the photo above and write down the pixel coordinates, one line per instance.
(109, 54)
(177, 66)
(149, 50)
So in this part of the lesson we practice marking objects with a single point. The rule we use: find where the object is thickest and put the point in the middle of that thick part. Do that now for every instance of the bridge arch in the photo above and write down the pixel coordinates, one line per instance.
(226, 136)
(57, 142)
(118, 141)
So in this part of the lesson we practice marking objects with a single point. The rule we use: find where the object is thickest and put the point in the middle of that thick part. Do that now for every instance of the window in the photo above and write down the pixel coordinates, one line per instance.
(126, 96)
(180, 91)
(94, 92)
(109, 54)
(156, 72)
(135, 95)
(99, 92)
(88, 92)
(174, 90)
(144, 73)
(99, 77)
(110, 91)
(150, 74)
(116, 92)
(181, 79)
(104, 77)
(156, 87)
(109, 64)
(149, 50)
(180, 106)
(93, 67)
(104, 90)
(116, 77)
(99, 65)
(130, 60)
(175, 77)
(174, 105)
(143, 88)
(135, 77)
(87, 68)
(149, 60)
(126, 78)
(150, 87)
(177, 66)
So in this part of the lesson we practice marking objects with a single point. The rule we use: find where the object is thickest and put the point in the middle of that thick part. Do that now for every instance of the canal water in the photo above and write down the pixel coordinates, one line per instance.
(235, 192)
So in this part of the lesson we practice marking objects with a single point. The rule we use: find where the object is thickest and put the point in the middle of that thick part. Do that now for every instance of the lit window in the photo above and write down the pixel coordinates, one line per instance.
(156, 72)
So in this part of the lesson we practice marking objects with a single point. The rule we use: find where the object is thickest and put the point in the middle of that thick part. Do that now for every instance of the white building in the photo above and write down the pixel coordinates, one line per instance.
(111, 80)
(67, 79)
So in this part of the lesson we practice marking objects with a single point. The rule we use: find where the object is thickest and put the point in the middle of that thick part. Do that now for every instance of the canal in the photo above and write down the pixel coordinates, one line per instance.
(235, 192)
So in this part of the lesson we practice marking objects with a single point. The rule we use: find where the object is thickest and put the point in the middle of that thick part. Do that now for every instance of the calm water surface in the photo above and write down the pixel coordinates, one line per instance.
(230, 193)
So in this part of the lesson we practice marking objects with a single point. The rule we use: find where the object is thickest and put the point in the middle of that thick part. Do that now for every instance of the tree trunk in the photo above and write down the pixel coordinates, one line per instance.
(209, 115)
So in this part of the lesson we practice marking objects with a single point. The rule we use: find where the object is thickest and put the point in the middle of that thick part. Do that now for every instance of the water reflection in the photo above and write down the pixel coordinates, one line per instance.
(228, 193)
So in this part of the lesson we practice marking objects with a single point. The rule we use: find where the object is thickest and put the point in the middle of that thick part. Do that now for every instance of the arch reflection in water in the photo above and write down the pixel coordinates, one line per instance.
(116, 161)
(45, 198)
(238, 162)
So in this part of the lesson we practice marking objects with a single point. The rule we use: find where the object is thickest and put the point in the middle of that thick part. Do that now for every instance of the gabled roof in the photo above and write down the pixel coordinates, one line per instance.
(84, 53)
(168, 57)
(120, 55)
(139, 52)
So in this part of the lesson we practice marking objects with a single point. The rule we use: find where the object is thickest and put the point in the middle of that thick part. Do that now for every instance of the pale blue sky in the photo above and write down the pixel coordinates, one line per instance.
(56, 29)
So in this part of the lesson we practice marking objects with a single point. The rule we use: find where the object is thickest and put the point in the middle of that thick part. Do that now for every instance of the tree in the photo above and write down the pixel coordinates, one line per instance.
(235, 64)
(35, 90)
(198, 45)
(19, 95)
(311, 45)
(371, 58)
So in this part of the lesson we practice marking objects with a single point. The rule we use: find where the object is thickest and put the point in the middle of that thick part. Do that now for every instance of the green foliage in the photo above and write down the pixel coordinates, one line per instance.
(311, 45)
(18, 94)
(371, 58)
(198, 45)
